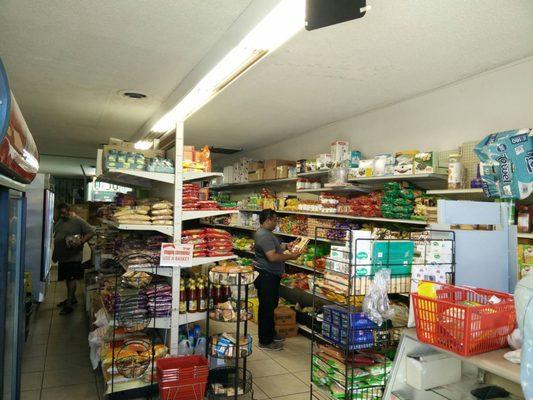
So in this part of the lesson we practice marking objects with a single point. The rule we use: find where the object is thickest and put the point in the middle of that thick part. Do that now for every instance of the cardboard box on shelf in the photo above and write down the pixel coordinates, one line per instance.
(229, 176)
(146, 153)
(287, 331)
(188, 153)
(272, 165)
(282, 172)
(257, 175)
(284, 316)
(255, 165)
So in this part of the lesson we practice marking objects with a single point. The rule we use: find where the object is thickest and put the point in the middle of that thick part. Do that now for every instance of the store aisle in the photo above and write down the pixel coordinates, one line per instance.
(55, 359)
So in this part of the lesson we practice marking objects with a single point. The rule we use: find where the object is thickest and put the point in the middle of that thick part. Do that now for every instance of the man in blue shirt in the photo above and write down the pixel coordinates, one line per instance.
(270, 263)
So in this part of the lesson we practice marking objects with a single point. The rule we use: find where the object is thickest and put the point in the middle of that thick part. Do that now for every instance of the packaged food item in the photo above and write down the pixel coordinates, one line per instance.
(405, 161)
(340, 154)
(324, 161)
(456, 172)
(365, 169)
(507, 163)
(425, 163)
(355, 157)
(383, 165)
(524, 219)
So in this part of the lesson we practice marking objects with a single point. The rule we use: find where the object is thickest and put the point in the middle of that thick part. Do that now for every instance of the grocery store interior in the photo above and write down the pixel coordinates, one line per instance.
(266, 199)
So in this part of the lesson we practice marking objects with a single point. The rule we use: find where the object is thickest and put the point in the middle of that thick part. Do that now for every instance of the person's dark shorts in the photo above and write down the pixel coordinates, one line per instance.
(69, 271)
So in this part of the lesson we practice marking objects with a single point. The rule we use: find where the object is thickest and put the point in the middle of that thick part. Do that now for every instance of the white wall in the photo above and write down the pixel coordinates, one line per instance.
(443, 119)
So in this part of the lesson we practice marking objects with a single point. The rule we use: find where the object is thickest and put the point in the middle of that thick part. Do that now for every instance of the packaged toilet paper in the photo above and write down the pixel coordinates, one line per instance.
(506, 164)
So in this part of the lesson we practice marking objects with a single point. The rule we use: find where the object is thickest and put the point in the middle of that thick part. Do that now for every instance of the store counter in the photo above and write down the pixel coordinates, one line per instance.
(475, 371)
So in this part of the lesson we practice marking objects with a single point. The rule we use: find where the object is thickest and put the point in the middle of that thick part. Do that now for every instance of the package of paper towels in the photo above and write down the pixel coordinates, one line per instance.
(506, 164)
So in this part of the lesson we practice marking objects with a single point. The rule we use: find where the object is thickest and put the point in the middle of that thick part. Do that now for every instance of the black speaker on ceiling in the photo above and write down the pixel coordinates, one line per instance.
(322, 13)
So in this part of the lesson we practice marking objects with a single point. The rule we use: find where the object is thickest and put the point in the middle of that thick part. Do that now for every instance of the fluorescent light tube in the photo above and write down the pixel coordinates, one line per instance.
(283, 22)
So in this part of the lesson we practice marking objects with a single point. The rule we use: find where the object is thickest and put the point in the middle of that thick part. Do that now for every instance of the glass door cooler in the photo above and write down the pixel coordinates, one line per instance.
(19, 162)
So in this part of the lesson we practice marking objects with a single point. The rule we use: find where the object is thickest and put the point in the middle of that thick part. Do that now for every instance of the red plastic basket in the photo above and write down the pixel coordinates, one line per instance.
(448, 322)
(182, 378)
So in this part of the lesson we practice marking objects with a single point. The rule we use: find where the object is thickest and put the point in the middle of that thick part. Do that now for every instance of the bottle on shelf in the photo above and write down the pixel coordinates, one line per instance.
(456, 172)
(183, 299)
(192, 297)
(202, 297)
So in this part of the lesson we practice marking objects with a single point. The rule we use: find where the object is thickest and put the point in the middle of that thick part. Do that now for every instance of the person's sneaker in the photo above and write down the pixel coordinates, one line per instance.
(64, 303)
(274, 346)
(66, 310)
(278, 339)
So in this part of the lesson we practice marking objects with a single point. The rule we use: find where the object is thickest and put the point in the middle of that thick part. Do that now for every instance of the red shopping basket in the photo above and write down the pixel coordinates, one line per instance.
(464, 320)
(182, 378)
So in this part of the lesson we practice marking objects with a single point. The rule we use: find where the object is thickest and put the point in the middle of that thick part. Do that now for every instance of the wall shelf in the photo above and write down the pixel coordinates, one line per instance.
(165, 229)
(199, 176)
(131, 177)
(424, 181)
(190, 215)
(229, 186)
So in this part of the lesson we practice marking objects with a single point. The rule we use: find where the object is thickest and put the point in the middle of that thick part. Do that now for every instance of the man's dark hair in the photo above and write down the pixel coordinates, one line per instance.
(63, 206)
(266, 214)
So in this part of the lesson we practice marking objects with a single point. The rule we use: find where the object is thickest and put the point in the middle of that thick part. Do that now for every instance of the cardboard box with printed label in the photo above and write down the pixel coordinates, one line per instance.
(255, 165)
(258, 175)
(284, 316)
(272, 165)
(282, 172)
(287, 331)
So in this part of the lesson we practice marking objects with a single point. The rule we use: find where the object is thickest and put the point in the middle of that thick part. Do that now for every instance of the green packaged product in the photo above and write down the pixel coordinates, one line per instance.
(379, 369)
(320, 377)
(358, 376)
(392, 186)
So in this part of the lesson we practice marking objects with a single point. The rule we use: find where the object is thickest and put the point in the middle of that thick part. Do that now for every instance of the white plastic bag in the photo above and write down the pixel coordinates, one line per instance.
(376, 303)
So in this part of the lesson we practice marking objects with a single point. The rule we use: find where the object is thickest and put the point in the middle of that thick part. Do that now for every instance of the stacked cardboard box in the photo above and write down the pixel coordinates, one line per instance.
(272, 171)
(256, 171)
(285, 322)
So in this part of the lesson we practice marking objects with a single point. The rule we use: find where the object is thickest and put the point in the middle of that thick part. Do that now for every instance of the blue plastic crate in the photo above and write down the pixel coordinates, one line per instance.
(344, 318)
(358, 338)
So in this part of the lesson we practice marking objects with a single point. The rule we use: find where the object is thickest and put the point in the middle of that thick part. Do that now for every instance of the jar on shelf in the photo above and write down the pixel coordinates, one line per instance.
(456, 172)
(316, 184)
(300, 184)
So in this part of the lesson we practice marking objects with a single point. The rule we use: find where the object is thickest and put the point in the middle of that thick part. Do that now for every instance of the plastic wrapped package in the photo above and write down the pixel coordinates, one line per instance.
(376, 303)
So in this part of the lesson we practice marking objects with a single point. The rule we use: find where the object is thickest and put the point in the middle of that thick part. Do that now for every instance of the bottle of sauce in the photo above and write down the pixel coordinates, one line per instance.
(202, 297)
(183, 299)
(192, 297)
(214, 297)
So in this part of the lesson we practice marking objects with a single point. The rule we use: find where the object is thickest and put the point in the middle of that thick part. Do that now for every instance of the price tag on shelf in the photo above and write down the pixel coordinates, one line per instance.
(176, 255)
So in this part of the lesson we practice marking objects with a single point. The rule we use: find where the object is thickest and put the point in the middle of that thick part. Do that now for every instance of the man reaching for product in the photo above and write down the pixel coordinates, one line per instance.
(270, 263)
(70, 234)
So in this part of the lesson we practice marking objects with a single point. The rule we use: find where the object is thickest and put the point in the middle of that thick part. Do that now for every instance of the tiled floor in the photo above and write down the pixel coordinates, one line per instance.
(55, 364)
(55, 359)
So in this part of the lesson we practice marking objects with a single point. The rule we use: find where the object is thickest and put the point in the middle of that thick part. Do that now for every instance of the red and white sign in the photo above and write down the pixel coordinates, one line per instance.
(176, 255)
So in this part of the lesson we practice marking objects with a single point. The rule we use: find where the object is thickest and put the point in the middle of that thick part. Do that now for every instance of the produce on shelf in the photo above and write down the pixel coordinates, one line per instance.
(299, 281)
(243, 243)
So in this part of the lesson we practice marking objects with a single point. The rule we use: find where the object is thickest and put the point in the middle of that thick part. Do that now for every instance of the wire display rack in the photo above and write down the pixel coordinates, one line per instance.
(233, 380)
(129, 311)
(351, 353)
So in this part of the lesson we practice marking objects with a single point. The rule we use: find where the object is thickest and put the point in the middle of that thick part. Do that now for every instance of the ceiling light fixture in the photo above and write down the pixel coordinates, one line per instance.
(143, 144)
(283, 22)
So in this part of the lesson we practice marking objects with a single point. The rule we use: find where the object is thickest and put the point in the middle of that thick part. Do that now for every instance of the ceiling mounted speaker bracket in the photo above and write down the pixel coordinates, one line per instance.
(322, 13)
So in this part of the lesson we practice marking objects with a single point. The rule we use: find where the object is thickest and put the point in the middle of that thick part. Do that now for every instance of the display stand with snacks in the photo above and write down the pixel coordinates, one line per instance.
(365, 283)
(142, 297)
(232, 380)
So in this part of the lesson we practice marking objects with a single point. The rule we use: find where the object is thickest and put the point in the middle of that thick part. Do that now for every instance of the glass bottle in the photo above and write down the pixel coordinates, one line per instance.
(202, 297)
(183, 299)
(192, 298)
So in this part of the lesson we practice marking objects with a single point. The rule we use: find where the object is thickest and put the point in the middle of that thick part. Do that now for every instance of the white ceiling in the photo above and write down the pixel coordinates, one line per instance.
(398, 50)
(66, 60)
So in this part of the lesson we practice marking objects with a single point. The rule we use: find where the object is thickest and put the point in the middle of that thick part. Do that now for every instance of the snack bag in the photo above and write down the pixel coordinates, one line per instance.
(506, 164)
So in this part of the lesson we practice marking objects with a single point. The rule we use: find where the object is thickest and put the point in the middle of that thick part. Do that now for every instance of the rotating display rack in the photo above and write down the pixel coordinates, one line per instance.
(233, 380)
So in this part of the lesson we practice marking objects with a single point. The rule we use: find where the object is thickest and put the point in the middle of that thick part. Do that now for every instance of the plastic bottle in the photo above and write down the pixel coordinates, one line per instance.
(200, 347)
(456, 172)
(184, 347)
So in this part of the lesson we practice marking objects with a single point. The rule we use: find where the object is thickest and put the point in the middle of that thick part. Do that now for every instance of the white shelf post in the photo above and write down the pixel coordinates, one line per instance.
(176, 275)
